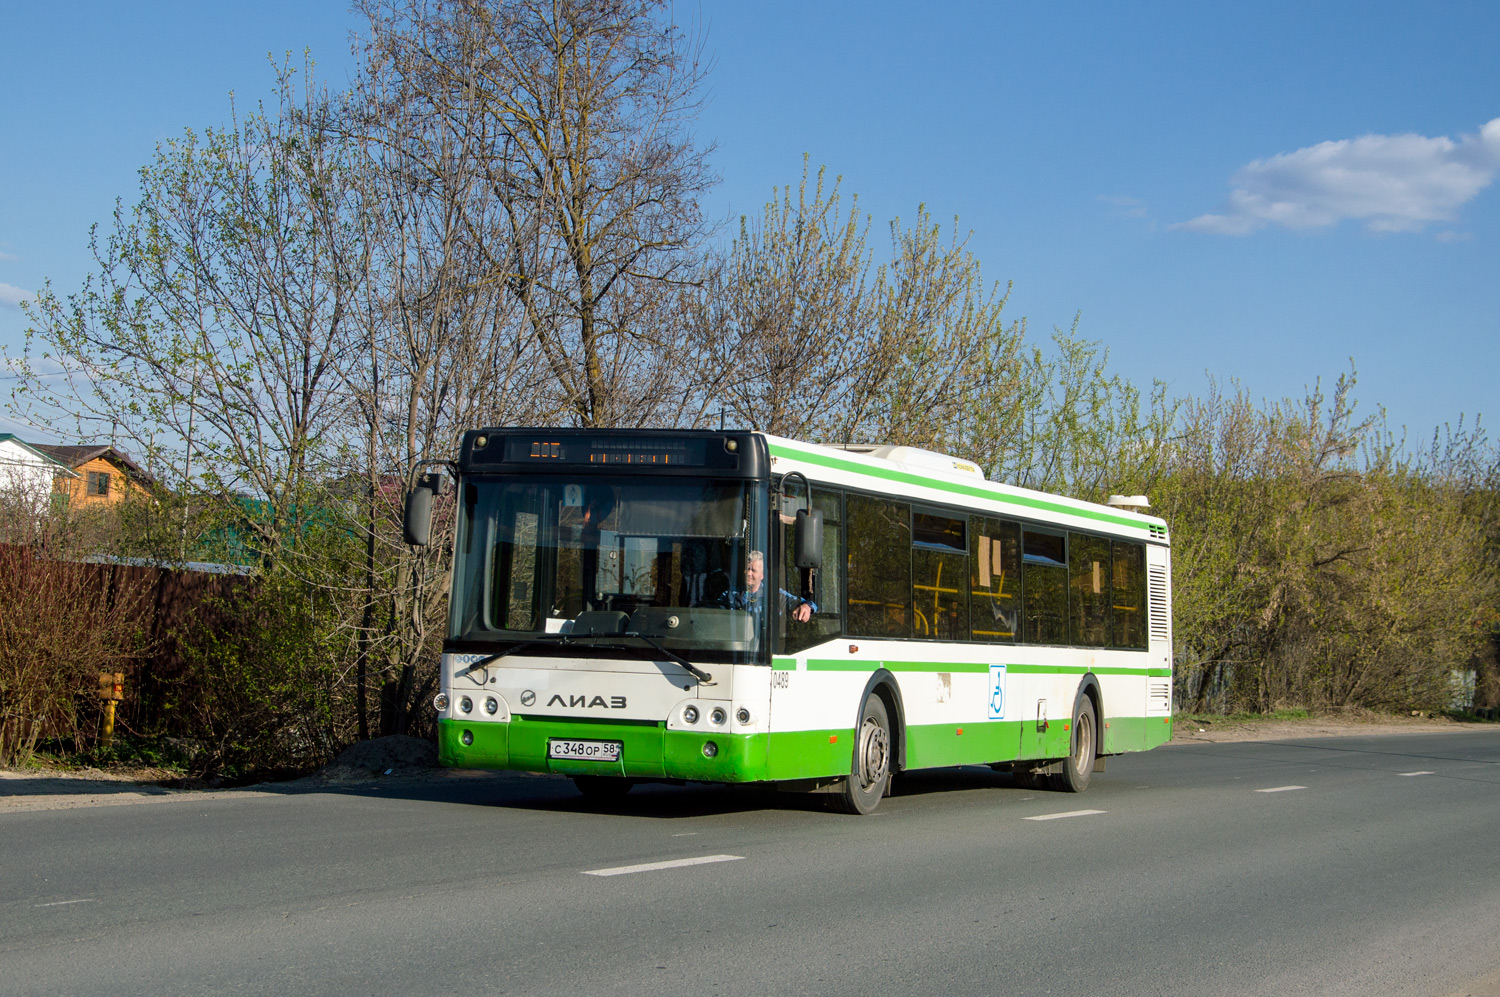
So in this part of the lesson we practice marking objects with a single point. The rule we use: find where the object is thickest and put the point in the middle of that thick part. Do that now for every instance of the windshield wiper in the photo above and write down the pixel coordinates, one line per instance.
(554, 640)
(703, 677)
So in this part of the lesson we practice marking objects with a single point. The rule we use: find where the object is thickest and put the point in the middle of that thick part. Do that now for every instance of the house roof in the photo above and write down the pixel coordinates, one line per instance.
(40, 451)
(73, 456)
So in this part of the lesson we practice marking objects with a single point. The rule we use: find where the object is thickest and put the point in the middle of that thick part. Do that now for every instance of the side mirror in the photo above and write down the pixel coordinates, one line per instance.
(416, 525)
(808, 545)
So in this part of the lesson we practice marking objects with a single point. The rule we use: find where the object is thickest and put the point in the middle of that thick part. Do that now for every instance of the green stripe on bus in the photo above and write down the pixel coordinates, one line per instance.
(853, 665)
(784, 664)
(980, 667)
(544, 718)
(1082, 670)
(840, 665)
(958, 488)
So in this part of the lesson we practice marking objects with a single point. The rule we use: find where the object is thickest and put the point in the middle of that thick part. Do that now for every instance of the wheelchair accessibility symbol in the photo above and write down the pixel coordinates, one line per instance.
(997, 692)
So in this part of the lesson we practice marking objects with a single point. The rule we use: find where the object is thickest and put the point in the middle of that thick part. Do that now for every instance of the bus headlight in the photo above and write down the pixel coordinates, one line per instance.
(710, 749)
(465, 704)
(491, 705)
(690, 714)
(718, 716)
(742, 714)
(440, 702)
(467, 737)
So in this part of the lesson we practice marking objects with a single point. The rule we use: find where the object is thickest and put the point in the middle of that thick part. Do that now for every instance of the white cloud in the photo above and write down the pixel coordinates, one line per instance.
(1392, 183)
(1126, 207)
(13, 296)
(7, 257)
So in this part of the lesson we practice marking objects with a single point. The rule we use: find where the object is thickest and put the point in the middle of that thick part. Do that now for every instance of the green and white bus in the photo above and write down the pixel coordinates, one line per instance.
(734, 607)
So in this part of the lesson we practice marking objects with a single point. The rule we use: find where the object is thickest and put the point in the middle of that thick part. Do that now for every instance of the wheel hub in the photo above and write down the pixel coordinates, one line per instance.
(1085, 741)
(874, 753)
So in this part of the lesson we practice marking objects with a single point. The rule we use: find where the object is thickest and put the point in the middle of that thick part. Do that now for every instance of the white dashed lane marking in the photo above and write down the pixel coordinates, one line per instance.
(625, 870)
(1423, 772)
(61, 903)
(1280, 789)
(1070, 813)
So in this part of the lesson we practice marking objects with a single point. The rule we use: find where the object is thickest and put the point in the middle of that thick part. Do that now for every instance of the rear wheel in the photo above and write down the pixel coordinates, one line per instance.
(1079, 765)
(863, 788)
(602, 787)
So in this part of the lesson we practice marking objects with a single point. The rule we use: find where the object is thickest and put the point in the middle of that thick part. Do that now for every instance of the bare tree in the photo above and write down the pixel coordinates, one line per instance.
(576, 111)
(785, 316)
(803, 334)
(940, 348)
(442, 348)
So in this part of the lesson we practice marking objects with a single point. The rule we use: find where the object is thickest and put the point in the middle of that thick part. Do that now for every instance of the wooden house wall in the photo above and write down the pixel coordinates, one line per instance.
(77, 488)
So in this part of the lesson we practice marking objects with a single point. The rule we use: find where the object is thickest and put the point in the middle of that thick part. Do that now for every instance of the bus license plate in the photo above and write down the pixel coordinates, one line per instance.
(591, 751)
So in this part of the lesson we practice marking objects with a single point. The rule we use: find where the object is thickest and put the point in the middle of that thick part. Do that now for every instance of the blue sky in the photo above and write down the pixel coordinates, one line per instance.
(1258, 192)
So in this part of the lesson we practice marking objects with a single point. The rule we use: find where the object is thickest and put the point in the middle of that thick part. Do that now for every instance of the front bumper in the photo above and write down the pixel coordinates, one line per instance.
(648, 750)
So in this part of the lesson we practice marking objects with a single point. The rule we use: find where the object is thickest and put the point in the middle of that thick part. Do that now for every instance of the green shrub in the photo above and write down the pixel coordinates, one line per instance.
(261, 682)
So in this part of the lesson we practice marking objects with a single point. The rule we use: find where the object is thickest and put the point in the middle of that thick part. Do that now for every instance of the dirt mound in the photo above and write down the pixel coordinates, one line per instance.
(382, 756)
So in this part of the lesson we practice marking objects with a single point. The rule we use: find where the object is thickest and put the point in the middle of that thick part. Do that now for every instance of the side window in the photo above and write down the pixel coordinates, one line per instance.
(939, 567)
(1044, 565)
(1089, 590)
(828, 621)
(879, 579)
(994, 579)
(1129, 594)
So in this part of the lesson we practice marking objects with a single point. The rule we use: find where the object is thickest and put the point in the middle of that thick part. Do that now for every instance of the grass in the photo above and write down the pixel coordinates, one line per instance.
(127, 752)
(1299, 713)
(1486, 716)
(1290, 713)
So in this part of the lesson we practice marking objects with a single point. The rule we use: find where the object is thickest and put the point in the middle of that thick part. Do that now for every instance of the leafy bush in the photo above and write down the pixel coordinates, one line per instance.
(261, 685)
(1317, 564)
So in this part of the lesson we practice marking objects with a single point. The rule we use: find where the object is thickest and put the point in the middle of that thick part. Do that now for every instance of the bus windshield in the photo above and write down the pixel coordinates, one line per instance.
(661, 557)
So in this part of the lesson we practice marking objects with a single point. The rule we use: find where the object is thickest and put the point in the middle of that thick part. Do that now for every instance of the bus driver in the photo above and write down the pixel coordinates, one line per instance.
(753, 595)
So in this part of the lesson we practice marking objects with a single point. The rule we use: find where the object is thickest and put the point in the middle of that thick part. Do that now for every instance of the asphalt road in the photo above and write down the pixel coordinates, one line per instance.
(1361, 865)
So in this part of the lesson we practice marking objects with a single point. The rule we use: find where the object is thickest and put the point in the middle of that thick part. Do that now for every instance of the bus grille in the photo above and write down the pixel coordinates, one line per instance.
(1161, 617)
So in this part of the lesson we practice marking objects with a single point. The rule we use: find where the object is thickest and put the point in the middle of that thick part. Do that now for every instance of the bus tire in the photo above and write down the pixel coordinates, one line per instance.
(602, 787)
(1079, 765)
(871, 772)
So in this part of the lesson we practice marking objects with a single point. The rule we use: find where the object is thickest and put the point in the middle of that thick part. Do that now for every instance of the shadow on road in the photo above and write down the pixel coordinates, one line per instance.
(661, 801)
(506, 790)
(29, 785)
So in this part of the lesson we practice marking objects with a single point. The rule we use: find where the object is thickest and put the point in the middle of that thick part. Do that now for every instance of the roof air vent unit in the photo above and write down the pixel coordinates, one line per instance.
(926, 460)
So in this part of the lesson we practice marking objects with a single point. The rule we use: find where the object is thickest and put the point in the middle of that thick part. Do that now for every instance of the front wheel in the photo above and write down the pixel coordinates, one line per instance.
(1079, 765)
(863, 788)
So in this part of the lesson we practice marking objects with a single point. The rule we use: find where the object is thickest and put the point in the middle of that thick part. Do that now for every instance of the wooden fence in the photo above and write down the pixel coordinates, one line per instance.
(146, 609)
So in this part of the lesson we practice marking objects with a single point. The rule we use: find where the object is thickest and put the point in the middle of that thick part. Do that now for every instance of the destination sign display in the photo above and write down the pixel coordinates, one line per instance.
(624, 451)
